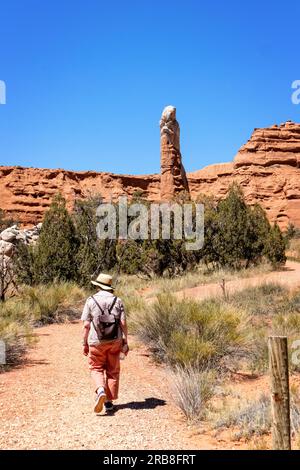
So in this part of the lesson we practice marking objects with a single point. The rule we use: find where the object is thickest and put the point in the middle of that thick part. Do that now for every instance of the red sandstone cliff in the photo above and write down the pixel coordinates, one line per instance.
(26, 193)
(267, 167)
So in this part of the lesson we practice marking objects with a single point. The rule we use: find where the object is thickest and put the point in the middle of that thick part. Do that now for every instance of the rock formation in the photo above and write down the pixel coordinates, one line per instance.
(12, 235)
(26, 193)
(9, 240)
(267, 167)
(276, 145)
(173, 178)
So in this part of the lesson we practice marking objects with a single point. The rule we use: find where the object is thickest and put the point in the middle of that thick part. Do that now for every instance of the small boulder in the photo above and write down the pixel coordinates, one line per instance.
(6, 248)
(8, 235)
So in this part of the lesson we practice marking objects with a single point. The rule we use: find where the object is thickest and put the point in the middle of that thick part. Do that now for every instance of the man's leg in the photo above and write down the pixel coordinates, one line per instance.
(113, 370)
(97, 360)
(97, 365)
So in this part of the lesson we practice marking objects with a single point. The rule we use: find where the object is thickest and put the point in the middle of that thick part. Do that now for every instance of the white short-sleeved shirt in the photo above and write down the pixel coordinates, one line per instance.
(104, 299)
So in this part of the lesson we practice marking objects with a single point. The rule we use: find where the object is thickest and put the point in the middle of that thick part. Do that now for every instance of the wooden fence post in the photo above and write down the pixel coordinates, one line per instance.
(280, 394)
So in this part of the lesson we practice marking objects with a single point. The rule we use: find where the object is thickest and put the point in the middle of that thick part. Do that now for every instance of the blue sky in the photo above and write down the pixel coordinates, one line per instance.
(87, 80)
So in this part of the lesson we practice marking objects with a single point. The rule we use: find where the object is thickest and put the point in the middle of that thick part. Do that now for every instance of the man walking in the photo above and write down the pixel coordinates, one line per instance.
(104, 337)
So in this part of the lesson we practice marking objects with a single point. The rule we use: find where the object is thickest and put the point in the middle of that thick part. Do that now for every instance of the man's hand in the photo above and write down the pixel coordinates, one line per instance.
(86, 329)
(125, 348)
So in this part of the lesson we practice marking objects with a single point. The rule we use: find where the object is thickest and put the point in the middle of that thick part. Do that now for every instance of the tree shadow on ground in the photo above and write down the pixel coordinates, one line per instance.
(21, 364)
(25, 362)
(147, 404)
(283, 269)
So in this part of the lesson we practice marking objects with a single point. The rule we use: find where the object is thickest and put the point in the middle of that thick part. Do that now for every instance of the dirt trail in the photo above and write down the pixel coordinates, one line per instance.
(48, 402)
(289, 276)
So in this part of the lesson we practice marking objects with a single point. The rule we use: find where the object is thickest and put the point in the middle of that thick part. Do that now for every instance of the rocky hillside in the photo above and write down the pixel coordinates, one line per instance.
(26, 193)
(267, 167)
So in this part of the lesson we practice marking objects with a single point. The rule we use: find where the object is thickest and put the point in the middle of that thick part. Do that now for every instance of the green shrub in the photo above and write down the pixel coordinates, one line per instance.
(133, 303)
(155, 324)
(55, 302)
(36, 306)
(292, 232)
(55, 252)
(294, 302)
(93, 255)
(24, 264)
(275, 247)
(189, 333)
(237, 236)
(294, 249)
(274, 311)
(15, 330)
(265, 299)
(286, 324)
(257, 360)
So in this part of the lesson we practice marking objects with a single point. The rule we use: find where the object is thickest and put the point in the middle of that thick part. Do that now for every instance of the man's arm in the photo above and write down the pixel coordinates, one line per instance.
(124, 328)
(123, 323)
(86, 330)
(86, 318)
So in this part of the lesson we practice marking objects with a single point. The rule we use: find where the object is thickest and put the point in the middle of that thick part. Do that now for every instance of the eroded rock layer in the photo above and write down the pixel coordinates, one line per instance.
(26, 193)
(267, 167)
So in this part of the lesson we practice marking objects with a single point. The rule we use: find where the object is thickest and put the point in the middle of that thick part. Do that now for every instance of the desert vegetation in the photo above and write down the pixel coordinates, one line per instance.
(292, 236)
(252, 418)
(203, 343)
(236, 237)
(208, 343)
(35, 306)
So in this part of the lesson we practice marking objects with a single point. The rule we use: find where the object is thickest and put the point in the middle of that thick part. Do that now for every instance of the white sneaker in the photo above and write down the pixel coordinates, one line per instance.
(100, 399)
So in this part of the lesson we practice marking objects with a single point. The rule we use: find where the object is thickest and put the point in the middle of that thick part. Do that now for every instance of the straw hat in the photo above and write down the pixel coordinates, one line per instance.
(104, 281)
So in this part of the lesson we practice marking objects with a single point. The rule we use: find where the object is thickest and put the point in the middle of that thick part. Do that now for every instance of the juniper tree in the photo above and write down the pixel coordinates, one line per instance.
(232, 226)
(24, 262)
(275, 246)
(55, 252)
(93, 255)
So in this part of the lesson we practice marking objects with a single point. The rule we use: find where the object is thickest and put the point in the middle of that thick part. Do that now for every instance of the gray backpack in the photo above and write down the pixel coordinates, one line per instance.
(105, 323)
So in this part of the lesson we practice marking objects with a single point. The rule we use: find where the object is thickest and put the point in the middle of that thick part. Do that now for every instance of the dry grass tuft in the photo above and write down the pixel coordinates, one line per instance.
(192, 390)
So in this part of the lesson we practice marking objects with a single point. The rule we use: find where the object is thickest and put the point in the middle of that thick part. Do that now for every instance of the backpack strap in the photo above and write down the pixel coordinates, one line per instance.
(110, 308)
(98, 305)
(112, 305)
(102, 314)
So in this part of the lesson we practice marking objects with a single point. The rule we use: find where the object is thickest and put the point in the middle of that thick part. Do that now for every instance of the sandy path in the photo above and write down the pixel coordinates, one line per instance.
(289, 276)
(47, 403)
